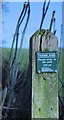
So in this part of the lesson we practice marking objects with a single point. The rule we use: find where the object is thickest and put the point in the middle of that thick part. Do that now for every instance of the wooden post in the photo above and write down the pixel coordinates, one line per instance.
(45, 84)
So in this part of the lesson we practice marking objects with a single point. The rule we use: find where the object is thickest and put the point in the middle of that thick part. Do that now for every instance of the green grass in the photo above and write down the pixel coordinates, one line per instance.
(24, 57)
(61, 64)
(25, 62)
(5, 53)
(61, 72)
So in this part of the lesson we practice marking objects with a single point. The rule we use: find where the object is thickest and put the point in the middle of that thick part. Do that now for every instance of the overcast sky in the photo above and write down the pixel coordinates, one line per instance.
(10, 20)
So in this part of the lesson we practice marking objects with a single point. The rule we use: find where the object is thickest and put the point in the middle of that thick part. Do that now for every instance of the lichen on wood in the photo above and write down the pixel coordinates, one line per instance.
(44, 91)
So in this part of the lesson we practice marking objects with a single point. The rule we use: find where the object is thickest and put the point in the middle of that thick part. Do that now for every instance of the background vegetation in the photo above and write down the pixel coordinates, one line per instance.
(25, 62)
(24, 57)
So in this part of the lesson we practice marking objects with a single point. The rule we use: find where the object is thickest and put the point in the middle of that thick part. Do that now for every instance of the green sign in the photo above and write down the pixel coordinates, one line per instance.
(46, 61)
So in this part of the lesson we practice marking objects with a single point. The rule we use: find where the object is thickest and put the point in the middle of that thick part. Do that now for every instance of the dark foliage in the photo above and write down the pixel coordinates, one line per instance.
(22, 95)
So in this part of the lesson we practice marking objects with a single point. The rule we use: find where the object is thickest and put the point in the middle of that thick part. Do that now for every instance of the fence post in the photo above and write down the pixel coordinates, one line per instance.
(44, 84)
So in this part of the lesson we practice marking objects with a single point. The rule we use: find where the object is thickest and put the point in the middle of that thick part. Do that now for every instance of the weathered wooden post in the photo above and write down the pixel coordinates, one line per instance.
(44, 74)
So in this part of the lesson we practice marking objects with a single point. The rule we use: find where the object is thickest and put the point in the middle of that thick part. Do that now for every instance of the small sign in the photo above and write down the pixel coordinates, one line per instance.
(46, 61)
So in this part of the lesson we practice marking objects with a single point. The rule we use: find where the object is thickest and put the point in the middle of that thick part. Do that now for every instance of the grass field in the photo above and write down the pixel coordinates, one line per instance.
(25, 61)
(24, 57)
(61, 64)
(61, 73)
